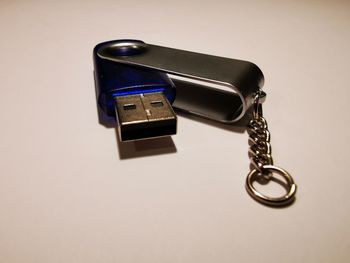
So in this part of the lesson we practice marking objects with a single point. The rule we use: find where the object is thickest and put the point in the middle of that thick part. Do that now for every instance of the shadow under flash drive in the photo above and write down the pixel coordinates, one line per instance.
(135, 87)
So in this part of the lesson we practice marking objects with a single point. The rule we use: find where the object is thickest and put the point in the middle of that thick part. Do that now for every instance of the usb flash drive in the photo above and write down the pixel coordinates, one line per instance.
(135, 82)
(139, 99)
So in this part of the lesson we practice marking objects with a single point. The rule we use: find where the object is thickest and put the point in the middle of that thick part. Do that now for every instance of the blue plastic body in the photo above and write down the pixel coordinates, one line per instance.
(113, 79)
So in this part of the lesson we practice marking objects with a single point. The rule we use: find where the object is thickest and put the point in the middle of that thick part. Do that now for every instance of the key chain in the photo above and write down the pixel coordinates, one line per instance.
(262, 167)
(138, 85)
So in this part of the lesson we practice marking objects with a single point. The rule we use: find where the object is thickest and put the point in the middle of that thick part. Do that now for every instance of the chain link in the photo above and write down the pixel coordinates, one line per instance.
(259, 140)
(262, 167)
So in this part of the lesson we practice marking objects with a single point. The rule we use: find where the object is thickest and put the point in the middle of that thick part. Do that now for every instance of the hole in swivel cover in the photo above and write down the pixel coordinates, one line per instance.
(126, 48)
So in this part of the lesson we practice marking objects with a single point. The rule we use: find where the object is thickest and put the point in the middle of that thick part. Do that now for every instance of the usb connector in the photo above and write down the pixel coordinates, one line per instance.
(143, 116)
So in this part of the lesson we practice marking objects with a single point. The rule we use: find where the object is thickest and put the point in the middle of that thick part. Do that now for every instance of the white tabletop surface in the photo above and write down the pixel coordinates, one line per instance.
(70, 193)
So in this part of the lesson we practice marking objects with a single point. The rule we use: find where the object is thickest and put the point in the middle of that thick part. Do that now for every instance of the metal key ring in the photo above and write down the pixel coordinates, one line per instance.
(271, 201)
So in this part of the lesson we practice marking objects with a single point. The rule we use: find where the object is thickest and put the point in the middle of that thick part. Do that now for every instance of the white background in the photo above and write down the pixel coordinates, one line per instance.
(69, 193)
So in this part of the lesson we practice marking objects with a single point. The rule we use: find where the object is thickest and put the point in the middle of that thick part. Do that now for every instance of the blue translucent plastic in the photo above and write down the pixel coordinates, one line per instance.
(113, 79)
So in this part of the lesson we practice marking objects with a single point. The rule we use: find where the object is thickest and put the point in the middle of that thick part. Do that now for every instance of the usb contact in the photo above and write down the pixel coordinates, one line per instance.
(145, 115)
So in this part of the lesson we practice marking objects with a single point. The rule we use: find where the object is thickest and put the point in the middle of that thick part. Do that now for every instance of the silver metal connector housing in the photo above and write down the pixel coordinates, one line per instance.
(143, 116)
